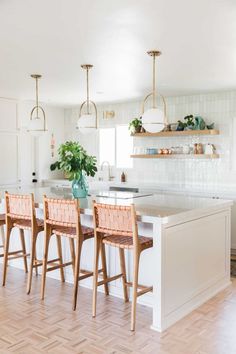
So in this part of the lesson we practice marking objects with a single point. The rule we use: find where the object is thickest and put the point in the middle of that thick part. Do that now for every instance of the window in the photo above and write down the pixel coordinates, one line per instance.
(115, 146)
(107, 145)
(124, 147)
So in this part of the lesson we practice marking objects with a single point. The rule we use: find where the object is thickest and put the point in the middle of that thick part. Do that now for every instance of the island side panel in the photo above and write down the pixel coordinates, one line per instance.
(196, 264)
(158, 276)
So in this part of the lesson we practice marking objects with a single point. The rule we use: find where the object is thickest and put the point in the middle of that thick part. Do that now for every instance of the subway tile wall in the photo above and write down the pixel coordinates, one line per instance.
(219, 108)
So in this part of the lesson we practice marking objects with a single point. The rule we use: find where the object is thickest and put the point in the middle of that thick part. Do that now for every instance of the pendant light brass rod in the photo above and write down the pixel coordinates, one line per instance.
(37, 96)
(87, 76)
(154, 82)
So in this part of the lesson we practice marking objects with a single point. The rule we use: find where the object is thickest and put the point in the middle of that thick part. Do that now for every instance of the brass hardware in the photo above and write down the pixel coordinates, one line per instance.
(87, 67)
(38, 108)
(108, 114)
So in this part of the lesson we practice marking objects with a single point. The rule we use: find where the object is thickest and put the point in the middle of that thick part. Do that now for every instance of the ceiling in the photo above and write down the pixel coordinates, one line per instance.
(53, 37)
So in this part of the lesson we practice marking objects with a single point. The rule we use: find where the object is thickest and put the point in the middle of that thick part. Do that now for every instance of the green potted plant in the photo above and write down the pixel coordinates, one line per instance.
(135, 125)
(77, 164)
(188, 123)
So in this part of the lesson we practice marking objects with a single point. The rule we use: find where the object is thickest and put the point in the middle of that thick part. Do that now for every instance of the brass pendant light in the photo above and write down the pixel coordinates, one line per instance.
(87, 121)
(37, 123)
(154, 119)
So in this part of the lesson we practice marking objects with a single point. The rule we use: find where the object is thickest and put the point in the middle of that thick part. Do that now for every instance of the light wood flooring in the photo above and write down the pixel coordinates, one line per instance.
(28, 325)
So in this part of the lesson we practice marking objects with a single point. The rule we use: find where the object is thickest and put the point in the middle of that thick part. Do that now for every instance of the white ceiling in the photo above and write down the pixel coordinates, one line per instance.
(53, 37)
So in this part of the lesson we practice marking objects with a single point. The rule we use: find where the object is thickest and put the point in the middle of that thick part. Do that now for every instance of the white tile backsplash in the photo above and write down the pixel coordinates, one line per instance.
(213, 174)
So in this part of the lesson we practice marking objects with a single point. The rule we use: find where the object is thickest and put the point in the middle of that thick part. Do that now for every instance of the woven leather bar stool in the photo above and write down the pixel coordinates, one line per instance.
(2, 223)
(62, 218)
(117, 226)
(20, 213)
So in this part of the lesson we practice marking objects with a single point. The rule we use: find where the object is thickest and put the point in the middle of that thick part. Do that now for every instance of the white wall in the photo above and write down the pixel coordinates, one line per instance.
(214, 107)
(20, 153)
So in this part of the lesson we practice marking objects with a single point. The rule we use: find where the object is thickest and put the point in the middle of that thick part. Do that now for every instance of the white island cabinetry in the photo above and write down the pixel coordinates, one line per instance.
(190, 259)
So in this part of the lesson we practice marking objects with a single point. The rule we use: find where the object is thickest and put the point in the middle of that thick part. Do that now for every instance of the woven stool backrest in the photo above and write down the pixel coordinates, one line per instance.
(19, 206)
(61, 212)
(114, 219)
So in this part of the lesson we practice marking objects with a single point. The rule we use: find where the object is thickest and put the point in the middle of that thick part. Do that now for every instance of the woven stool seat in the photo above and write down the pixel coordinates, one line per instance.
(71, 231)
(2, 219)
(26, 224)
(126, 242)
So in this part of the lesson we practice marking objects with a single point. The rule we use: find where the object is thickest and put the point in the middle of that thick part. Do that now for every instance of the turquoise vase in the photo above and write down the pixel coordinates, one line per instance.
(80, 187)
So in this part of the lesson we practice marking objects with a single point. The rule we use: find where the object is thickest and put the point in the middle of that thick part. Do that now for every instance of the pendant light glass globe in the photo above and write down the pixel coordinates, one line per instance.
(154, 119)
(36, 126)
(87, 123)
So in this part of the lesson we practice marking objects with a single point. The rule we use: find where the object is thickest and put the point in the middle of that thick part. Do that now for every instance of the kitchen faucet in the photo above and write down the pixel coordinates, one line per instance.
(110, 178)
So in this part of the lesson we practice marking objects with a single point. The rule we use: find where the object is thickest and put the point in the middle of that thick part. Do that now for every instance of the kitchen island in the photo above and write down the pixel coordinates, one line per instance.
(190, 259)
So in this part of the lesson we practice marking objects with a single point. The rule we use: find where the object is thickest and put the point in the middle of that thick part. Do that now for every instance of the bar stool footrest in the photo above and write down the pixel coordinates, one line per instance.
(144, 291)
(58, 266)
(18, 256)
(102, 282)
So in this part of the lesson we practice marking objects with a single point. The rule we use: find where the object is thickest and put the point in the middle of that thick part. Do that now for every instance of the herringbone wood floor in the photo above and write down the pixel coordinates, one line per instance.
(28, 325)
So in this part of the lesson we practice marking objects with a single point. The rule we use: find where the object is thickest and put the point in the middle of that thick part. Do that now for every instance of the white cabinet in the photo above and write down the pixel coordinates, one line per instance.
(8, 115)
(8, 142)
(8, 158)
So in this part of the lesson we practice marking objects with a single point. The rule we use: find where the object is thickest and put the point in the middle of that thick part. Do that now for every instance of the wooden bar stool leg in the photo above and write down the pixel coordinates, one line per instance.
(32, 261)
(104, 267)
(135, 288)
(59, 248)
(45, 261)
(79, 244)
(2, 235)
(22, 239)
(35, 259)
(123, 271)
(6, 251)
(97, 245)
(72, 251)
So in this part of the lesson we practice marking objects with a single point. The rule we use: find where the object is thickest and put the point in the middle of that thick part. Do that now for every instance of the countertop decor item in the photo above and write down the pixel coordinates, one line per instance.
(199, 123)
(193, 123)
(209, 149)
(123, 177)
(37, 124)
(135, 125)
(77, 164)
(154, 119)
(87, 121)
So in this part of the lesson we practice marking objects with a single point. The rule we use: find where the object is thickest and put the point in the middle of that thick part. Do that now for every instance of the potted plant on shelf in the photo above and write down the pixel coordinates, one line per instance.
(135, 125)
(77, 164)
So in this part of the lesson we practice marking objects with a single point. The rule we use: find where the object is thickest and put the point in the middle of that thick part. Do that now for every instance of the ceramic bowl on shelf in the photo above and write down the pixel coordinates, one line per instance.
(151, 151)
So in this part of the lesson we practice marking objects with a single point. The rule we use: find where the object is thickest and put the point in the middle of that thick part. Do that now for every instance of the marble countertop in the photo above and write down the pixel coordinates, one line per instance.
(148, 207)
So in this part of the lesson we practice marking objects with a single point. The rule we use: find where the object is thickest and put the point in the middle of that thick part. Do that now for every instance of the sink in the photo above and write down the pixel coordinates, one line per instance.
(123, 189)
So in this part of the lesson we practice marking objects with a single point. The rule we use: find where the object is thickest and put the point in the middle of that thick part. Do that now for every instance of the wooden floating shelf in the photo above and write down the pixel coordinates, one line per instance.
(179, 133)
(176, 156)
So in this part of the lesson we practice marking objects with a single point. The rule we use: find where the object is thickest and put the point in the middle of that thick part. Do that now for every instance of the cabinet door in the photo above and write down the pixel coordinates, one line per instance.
(8, 115)
(8, 158)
